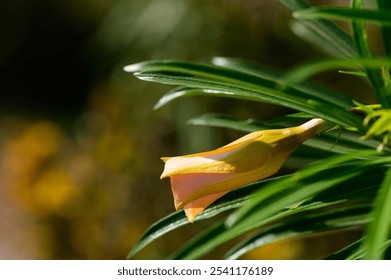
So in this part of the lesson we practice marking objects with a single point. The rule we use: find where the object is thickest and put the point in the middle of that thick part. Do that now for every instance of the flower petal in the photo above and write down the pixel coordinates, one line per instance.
(211, 161)
(195, 207)
(184, 185)
(216, 184)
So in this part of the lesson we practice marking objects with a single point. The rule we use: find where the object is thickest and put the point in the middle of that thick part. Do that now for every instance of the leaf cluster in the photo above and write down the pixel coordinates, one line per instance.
(347, 185)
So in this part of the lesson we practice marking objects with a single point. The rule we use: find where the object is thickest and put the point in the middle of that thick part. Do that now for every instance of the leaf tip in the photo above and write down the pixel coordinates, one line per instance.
(132, 68)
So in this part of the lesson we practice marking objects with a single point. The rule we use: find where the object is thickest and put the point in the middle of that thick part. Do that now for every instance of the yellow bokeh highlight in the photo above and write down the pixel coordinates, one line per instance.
(30, 170)
(52, 191)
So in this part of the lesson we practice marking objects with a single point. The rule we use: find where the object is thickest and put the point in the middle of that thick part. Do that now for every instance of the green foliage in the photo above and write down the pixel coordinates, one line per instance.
(347, 185)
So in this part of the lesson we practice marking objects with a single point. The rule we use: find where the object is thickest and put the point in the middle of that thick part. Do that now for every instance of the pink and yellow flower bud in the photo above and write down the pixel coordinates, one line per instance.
(197, 180)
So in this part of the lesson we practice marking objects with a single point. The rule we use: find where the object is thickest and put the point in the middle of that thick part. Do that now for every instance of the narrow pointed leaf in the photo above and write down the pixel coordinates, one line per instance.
(307, 70)
(219, 81)
(178, 219)
(333, 141)
(304, 184)
(276, 197)
(341, 13)
(328, 32)
(194, 248)
(385, 5)
(350, 252)
(380, 226)
(321, 221)
(188, 253)
(295, 190)
(275, 76)
(360, 38)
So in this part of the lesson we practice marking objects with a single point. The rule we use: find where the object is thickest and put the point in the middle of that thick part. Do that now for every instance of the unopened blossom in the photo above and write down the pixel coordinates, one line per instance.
(197, 180)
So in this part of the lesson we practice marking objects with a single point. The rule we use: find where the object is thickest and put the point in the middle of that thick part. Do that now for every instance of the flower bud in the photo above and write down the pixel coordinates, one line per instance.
(197, 180)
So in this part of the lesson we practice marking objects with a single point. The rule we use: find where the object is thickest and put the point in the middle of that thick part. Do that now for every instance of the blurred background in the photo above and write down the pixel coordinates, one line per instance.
(80, 143)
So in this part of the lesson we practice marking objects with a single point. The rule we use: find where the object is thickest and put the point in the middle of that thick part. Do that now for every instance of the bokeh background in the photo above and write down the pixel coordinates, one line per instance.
(80, 143)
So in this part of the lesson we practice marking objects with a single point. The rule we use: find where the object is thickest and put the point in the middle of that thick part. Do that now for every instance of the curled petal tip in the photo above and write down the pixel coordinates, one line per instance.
(314, 123)
(178, 206)
(192, 213)
(164, 174)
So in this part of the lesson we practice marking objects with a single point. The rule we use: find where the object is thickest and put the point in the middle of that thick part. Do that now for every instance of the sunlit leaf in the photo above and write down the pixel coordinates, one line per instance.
(201, 79)
(274, 75)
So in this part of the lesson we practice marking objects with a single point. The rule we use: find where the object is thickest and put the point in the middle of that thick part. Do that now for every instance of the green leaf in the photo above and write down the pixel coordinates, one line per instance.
(325, 32)
(314, 38)
(339, 207)
(355, 251)
(385, 5)
(379, 228)
(333, 141)
(274, 75)
(314, 222)
(307, 70)
(219, 81)
(300, 186)
(178, 219)
(227, 121)
(350, 252)
(382, 16)
(381, 127)
(356, 14)
(194, 248)
(361, 41)
(353, 73)
(274, 197)
(248, 67)
(188, 252)
(369, 185)
(339, 142)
